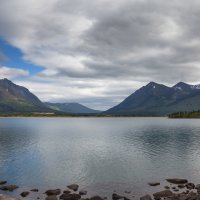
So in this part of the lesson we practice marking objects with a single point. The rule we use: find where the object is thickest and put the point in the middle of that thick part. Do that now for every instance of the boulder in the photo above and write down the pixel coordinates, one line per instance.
(197, 187)
(177, 180)
(51, 197)
(53, 192)
(96, 198)
(24, 194)
(164, 193)
(190, 186)
(146, 197)
(2, 182)
(73, 187)
(8, 187)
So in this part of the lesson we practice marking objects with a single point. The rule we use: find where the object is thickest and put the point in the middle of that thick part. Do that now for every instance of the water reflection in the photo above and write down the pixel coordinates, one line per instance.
(97, 151)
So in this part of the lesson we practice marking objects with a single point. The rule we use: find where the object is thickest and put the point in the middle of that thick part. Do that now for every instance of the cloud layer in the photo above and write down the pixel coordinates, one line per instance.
(11, 73)
(97, 52)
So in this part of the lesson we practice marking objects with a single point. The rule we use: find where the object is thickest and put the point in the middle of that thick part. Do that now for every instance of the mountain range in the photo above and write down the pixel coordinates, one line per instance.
(15, 98)
(75, 108)
(158, 100)
(151, 100)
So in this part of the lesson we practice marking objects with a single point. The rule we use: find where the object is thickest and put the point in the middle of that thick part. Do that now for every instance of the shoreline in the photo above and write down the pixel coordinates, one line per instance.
(174, 189)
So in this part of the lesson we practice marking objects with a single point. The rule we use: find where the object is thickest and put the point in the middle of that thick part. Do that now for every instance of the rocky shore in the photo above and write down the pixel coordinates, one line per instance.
(176, 189)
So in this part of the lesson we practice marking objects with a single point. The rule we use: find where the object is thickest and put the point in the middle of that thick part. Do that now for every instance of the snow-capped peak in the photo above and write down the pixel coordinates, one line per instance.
(195, 87)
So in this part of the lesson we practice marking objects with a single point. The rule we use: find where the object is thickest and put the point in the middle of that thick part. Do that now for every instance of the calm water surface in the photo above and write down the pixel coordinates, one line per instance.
(98, 153)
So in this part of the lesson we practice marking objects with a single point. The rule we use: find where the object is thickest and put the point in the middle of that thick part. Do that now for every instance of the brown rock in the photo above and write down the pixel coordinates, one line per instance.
(146, 197)
(24, 194)
(177, 180)
(167, 187)
(73, 187)
(53, 192)
(8, 187)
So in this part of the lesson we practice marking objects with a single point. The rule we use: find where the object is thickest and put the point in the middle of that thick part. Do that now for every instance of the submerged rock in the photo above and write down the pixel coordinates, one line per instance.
(2, 182)
(53, 192)
(181, 186)
(8, 187)
(34, 190)
(164, 193)
(70, 196)
(73, 187)
(24, 194)
(51, 197)
(177, 180)
(154, 183)
(83, 192)
(116, 196)
(66, 191)
(2, 197)
(146, 197)
(96, 198)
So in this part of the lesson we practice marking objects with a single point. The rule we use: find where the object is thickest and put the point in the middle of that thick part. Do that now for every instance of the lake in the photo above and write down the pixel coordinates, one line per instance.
(100, 154)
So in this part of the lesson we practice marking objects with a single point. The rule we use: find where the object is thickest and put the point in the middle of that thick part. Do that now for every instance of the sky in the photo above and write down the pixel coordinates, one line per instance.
(97, 52)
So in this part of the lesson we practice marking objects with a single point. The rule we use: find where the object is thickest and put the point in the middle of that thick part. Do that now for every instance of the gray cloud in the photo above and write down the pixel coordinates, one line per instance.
(99, 43)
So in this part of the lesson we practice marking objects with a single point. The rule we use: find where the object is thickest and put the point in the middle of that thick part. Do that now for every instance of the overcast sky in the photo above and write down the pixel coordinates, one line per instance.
(97, 52)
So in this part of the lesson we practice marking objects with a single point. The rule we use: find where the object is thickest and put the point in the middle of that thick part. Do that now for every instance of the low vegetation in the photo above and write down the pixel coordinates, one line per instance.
(193, 114)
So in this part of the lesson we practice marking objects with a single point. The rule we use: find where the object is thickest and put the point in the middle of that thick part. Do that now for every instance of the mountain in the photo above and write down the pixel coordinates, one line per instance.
(157, 100)
(74, 108)
(14, 98)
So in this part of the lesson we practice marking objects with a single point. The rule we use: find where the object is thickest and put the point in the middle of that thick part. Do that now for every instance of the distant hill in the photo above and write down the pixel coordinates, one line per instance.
(14, 98)
(158, 100)
(74, 108)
